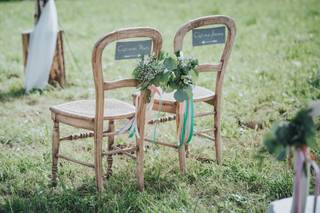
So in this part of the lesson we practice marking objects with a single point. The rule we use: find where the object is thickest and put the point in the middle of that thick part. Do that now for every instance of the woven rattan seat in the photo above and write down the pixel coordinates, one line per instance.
(199, 94)
(85, 109)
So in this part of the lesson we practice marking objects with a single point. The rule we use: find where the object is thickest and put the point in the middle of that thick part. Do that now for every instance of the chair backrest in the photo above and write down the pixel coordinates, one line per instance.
(100, 84)
(204, 21)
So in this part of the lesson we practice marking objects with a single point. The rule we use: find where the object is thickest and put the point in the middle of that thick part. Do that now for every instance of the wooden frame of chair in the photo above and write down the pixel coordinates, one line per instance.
(95, 124)
(214, 100)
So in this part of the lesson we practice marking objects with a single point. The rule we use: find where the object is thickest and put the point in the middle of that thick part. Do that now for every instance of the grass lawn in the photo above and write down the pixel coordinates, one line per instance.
(274, 71)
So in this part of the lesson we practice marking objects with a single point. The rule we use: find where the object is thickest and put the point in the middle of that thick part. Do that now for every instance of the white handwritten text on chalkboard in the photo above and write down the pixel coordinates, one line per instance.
(208, 36)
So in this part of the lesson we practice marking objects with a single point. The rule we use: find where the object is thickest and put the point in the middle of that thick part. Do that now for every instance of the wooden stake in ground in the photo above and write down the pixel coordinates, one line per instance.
(57, 72)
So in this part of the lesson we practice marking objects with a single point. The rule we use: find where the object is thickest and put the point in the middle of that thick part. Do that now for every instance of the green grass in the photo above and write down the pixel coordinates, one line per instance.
(273, 72)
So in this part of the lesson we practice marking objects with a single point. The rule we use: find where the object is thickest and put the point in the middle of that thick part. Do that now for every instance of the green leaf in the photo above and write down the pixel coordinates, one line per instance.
(164, 78)
(170, 63)
(282, 154)
(180, 95)
(270, 142)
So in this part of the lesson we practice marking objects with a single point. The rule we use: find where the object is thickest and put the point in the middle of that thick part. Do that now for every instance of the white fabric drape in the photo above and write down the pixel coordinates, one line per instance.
(42, 47)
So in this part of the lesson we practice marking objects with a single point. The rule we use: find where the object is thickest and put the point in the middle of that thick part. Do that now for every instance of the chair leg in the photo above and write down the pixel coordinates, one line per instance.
(187, 151)
(182, 148)
(217, 134)
(140, 165)
(55, 151)
(182, 159)
(98, 160)
(140, 142)
(110, 148)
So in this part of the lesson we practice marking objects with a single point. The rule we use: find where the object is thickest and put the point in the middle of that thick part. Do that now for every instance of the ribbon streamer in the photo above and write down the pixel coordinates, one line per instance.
(301, 180)
(317, 190)
(131, 126)
(186, 124)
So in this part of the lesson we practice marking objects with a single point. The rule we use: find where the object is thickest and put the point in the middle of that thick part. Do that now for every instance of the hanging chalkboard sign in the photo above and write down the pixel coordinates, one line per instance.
(132, 49)
(206, 36)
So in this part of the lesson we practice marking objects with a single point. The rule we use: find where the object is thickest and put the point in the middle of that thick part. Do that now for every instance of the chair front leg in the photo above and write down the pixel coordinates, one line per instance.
(55, 151)
(110, 148)
(182, 148)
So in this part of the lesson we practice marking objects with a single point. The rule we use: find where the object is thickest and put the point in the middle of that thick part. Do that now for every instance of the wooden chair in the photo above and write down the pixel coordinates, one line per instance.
(167, 103)
(90, 114)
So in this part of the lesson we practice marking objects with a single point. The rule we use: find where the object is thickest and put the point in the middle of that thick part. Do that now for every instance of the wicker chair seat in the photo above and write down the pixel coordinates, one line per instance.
(85, 109)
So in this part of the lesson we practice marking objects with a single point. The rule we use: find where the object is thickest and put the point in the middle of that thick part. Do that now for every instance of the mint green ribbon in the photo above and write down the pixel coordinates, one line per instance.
(188, 120)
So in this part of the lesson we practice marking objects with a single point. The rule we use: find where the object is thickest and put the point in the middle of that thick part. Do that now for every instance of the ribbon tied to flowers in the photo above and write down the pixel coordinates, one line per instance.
(302, 165)
(131, 126)
(186, 122)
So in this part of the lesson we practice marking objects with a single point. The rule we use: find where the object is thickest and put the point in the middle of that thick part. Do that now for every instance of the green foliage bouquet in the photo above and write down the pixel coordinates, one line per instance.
(171, 74)
(168, 73)
(297, 133)
(182, 76)
(151, 71)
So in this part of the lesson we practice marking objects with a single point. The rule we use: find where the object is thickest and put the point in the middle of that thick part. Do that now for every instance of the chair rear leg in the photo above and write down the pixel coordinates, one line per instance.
(55, 151)
(110, 148)
(141, 116)
(182, 148)
(98, 160)
(140, 164)
(217, 135)
(187, 151)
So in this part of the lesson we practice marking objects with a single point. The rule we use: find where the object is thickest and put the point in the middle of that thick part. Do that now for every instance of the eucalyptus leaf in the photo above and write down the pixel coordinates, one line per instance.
(180, 95)
(282, 154)
(170, 63)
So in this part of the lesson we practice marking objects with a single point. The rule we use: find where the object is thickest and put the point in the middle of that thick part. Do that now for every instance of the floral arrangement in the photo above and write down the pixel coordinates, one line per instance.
(168, 73)
(181, 79)
(151, 71)
(171, 74)
(298, 135)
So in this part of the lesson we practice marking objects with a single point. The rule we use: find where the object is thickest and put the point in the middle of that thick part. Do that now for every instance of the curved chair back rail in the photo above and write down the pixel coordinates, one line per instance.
(220, 68)
(100, 84)
(127, 33)
(204, 21)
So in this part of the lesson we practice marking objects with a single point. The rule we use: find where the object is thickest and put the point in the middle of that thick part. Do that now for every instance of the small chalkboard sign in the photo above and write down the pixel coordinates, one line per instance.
(206, 36)
(132, 49)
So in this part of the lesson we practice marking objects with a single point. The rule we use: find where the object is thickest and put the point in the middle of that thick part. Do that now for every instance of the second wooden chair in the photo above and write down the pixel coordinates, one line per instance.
(167, 103)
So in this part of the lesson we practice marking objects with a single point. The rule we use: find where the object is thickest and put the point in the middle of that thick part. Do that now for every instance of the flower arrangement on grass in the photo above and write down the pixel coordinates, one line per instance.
(297, 135)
